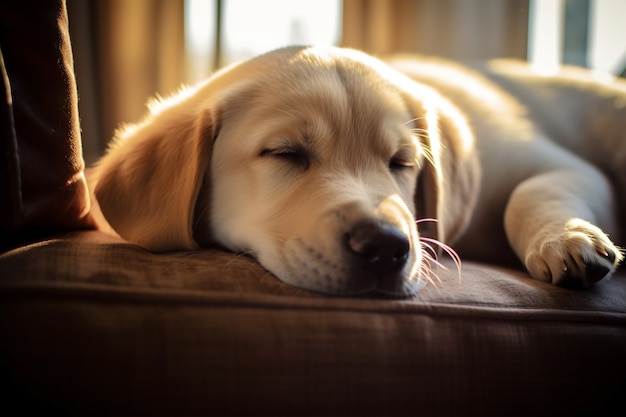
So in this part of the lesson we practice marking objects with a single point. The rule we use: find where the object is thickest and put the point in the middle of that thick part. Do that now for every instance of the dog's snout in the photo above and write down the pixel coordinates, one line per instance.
(381, 247)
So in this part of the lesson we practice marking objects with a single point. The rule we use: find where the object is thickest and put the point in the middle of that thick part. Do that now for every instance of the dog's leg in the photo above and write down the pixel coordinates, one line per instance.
(553, 221)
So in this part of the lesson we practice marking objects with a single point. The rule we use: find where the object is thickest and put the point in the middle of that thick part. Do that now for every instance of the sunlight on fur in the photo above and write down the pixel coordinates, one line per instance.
(318, 161)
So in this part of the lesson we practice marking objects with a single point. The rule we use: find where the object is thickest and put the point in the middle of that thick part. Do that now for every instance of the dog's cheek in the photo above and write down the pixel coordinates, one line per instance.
(249, 211)
(231, 216)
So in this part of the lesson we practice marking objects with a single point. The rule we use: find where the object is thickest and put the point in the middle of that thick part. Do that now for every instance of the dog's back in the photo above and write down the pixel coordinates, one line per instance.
(581, 110)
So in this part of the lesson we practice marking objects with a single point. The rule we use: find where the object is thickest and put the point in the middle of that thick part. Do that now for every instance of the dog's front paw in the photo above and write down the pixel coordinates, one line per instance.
(577, 256)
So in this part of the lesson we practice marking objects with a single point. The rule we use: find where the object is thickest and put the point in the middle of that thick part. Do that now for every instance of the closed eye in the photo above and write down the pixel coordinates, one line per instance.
(292, 156)
(398, 164)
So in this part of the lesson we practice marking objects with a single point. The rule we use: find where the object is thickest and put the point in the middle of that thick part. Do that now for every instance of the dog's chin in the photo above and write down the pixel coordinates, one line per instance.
(339, 273)
(363, 285)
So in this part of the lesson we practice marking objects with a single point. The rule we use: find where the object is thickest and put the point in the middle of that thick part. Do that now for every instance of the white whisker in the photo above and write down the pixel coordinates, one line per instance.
(415, 119)
(430, 256)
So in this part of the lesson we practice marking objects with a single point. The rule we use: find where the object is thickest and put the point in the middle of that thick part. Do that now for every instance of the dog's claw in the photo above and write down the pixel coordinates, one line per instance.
(609, 254)
(602, 251)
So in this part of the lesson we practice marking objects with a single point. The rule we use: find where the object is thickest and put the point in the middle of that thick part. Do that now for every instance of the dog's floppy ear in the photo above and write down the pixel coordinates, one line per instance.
(447, 185)
(148, 182)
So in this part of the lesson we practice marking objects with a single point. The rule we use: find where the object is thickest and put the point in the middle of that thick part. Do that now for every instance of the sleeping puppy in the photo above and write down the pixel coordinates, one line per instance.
(345, 175)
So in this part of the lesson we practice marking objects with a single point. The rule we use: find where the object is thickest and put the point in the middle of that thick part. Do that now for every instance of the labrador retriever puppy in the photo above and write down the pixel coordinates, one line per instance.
(347, 175)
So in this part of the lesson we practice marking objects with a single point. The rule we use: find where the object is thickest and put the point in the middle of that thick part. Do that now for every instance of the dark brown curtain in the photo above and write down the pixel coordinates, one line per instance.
(125, 52)
(457, 29)
(42, 186)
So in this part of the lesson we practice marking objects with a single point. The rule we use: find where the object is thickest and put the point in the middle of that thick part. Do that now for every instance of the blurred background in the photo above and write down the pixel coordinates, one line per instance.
(127, 51)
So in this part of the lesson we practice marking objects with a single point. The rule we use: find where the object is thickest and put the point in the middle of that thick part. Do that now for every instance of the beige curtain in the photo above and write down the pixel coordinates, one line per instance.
(457, 29)
(124, 51)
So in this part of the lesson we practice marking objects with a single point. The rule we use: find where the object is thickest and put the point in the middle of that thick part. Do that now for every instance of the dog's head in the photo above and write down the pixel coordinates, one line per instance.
(316, 162)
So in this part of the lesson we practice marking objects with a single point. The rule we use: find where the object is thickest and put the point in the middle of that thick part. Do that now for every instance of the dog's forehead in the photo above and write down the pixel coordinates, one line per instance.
(323, 101)
(345, 92)
(338, 77)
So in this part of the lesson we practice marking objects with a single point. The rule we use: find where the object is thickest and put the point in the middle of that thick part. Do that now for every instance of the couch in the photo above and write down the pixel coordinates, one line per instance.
(93, 325)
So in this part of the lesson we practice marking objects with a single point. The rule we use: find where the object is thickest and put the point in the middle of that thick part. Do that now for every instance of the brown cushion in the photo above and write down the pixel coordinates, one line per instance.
(43, 188)
(90, 324)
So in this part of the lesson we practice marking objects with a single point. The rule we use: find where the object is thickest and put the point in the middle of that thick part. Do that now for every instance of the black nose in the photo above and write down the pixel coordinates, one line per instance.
(380, 247)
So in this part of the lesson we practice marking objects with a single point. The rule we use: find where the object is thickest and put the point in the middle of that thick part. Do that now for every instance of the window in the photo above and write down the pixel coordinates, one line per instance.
(590, 33)
(251, 27)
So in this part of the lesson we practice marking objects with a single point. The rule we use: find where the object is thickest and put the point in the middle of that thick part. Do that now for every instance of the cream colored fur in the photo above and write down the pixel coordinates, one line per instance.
(337, 172)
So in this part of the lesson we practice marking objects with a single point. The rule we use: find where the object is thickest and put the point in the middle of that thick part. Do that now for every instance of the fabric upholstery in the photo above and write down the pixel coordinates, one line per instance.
(93, 325)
